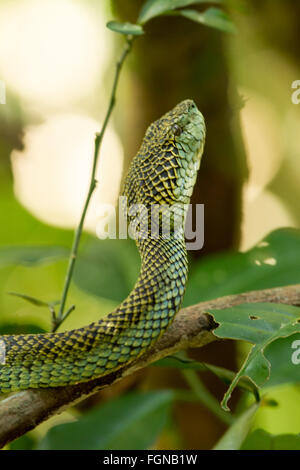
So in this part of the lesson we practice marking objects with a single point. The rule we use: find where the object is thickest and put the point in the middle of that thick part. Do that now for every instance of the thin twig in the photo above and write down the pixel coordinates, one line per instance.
(191, 328)
(98, 141)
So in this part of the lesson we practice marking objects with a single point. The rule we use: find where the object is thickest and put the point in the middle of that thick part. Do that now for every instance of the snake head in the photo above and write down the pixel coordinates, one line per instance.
(164, 170)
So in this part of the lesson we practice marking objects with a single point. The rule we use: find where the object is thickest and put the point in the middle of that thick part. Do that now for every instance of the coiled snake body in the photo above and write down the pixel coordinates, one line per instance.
(162, 174)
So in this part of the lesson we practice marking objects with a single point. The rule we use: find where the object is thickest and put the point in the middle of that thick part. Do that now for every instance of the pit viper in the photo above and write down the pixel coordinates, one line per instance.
(162, 174)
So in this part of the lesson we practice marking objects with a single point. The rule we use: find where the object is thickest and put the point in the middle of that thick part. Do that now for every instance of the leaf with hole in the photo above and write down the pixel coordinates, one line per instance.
(269, 322)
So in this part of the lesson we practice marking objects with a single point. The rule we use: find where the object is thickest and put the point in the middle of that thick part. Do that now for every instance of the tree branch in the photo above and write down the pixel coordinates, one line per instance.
(192, 328)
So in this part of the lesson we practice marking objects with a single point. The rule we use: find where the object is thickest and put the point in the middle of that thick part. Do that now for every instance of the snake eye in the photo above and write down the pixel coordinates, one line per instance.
(176, 129)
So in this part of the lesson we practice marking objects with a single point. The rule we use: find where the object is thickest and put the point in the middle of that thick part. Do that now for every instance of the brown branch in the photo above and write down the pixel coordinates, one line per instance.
(192, 328)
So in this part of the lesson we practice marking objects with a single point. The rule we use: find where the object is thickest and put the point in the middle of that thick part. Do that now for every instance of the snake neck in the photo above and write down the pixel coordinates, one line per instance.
(158, 292)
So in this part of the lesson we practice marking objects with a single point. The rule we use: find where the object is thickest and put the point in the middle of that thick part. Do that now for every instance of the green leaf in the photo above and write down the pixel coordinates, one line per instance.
(236, 434)
(17, 329)
(34, 301)
(31, 255)
(273, 262)
(262, 440)
(225, 375)
(107, 268)
(27, 242)
(125, 28)
(153, 8)
(213, 17)
(260, 324)
(284, 357)
(26, 442)
(133, 421)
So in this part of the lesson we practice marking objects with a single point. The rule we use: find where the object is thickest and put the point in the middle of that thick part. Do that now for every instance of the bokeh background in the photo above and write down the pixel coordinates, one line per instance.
(57, 62)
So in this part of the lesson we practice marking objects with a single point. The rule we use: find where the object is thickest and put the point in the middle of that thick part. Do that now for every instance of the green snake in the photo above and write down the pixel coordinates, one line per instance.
(162, 174)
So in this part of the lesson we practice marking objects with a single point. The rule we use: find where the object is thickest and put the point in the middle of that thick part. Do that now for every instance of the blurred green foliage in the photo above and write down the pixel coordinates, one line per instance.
(262, 440)
(33, 262)
(133, 421)
(108, 268)
(272, 262)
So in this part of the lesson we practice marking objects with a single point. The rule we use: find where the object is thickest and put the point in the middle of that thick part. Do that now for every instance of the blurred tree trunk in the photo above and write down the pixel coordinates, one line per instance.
(175, 60)
(179, 59)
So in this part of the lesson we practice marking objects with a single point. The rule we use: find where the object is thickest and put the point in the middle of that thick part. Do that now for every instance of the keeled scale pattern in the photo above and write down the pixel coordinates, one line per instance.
(163, 172)
(44, 360)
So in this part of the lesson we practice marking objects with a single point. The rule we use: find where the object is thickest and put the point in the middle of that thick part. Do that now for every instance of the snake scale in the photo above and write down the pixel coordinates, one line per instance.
(163, 173)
